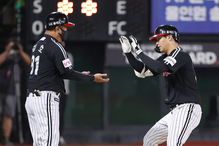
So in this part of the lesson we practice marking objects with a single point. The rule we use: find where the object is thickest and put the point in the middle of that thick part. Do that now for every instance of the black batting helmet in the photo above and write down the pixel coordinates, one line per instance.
(165, 30)
(57, 19)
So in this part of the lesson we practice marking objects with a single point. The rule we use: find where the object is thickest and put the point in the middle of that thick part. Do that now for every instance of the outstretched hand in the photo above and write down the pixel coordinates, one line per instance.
(98, 77)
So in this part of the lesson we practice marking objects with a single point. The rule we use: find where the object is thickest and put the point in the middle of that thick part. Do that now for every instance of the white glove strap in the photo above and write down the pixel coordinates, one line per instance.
(138, 51)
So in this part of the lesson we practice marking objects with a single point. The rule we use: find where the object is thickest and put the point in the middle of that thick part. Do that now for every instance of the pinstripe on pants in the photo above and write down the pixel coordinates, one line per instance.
(175, 127)
(43, 117)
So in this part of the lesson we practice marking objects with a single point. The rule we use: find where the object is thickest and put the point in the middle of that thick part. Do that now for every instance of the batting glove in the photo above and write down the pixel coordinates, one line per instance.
(126, 47)
(135, 45)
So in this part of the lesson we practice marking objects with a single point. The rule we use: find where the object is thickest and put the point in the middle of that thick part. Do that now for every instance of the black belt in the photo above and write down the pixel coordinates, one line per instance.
(37, 93)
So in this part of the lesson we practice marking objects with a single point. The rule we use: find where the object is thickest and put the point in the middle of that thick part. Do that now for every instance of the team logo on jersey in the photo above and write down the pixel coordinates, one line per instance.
(34, 48)
(67, 63)
(170, 60)
(41, 48)
(165, 74)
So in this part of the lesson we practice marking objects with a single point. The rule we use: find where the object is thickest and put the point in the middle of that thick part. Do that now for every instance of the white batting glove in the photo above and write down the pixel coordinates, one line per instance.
(135, 45)
(126, 47)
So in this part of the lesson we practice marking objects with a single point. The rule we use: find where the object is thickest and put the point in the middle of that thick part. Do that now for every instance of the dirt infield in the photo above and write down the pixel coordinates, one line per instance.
(201, 143)
(198, 143)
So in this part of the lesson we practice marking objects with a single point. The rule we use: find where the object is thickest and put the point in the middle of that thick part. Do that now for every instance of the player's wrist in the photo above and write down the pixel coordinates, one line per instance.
(139, 51)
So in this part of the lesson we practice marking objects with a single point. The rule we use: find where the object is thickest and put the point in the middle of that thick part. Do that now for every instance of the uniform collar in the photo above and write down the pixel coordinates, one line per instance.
(49, 36)
(177, 48)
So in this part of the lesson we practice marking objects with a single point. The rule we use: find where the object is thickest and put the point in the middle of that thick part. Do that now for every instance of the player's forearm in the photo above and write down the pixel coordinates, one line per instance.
(77, 76)
(136, 64)
(153, 65)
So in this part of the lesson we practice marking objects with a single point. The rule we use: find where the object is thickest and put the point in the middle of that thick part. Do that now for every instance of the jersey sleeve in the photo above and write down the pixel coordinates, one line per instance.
(155, 66)
(177, 59)
(136, 64)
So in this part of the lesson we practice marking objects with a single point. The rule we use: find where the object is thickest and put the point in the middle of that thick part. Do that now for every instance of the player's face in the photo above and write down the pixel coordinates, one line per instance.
(63, 34)
(162, 43)
(64, 28)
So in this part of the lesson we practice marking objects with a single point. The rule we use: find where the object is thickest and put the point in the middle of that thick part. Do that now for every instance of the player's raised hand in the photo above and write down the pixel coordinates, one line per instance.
(98, 77)
(135, 45)
(126, 47)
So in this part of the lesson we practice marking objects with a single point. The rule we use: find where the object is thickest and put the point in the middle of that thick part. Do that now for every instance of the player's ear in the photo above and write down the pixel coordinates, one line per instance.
(170, 37)
(57, 29)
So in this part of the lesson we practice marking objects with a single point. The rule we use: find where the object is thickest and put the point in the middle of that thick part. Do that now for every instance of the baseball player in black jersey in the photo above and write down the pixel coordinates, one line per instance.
(183, 98)
(49, 66)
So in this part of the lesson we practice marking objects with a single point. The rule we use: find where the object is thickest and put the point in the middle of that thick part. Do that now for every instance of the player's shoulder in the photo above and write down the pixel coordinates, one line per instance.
(179, 52)
(47, 43)
(42, 41)
(51, 43)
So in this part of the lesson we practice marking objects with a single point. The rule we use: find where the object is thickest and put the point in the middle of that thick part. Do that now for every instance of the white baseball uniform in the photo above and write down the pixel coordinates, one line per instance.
(175, 127)
(43, 116)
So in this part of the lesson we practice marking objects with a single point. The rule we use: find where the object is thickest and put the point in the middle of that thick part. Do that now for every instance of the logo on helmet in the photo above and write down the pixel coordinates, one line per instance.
(165, 30)
(57, 19)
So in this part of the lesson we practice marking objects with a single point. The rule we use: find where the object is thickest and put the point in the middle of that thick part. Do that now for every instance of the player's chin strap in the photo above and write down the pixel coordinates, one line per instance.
(143, 74)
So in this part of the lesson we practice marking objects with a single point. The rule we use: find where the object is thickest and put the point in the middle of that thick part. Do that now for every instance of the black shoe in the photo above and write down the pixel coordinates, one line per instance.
(6, 141)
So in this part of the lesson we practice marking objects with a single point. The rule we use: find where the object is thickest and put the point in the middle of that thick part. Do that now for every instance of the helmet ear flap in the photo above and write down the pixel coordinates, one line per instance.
(156, 49)
(175, 37)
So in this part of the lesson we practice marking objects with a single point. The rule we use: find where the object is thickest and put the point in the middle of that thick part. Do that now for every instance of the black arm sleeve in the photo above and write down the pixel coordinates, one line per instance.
(77, 76)
(136, 64)
(154, 65)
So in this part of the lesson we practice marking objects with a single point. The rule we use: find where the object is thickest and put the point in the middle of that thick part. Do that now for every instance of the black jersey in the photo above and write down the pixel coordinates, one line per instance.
(178, 72)
(180, 80)
(50, 65)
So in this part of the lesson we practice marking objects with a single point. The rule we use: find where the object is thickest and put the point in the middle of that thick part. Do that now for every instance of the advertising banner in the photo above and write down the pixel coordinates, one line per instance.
(202, 54)
(188, 16)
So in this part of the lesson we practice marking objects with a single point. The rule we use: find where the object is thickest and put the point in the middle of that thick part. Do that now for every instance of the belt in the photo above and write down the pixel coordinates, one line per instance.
(37, 93)
(174, 106)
